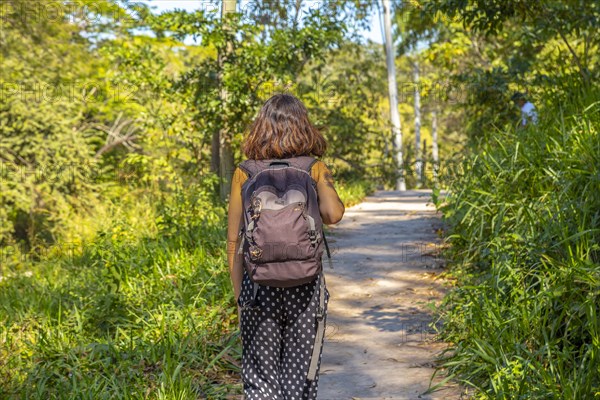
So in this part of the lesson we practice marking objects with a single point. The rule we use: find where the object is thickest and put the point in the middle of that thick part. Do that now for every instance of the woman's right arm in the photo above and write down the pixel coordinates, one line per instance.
(234, 223)
(330, 205)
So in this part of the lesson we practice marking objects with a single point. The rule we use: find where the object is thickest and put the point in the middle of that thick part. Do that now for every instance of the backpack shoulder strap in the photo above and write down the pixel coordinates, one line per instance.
(252, 167)
(304, 162)
(314, 358)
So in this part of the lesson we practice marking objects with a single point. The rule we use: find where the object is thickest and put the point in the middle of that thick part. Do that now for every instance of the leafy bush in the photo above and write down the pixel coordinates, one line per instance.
(352, 192)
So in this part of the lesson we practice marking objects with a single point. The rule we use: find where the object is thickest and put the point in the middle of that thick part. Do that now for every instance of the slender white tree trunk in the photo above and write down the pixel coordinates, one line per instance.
(418, 155)
(434, 144)
(393, 94)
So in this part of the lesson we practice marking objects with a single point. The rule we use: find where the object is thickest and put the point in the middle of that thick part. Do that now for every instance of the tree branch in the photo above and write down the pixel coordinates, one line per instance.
(582, 71)
(113, 144)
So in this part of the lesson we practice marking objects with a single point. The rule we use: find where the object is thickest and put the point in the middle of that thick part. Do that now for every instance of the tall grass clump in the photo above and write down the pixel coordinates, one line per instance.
(523, 218)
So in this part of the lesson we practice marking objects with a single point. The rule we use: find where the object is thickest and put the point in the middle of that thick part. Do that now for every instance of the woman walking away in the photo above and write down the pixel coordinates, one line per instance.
(280, 198)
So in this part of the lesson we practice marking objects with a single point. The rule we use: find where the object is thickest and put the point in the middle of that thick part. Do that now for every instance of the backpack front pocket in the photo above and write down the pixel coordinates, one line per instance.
(271, 243)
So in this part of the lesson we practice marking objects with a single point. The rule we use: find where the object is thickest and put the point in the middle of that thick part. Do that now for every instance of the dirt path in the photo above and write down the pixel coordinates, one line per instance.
(378, 344)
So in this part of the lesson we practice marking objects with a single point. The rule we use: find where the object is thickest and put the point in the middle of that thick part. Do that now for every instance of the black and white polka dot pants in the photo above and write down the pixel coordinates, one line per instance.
(278, 340)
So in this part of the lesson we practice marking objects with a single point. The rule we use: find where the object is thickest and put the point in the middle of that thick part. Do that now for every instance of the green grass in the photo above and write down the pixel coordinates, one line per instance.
(126, 315)
(353, 191)
(524, 231)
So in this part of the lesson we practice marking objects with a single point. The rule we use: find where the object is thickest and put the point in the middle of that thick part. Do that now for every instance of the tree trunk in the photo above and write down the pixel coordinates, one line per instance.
(424, 163)
(434, 145)
(214, 152)
(225, 154)
(418, 156)
(393, 94)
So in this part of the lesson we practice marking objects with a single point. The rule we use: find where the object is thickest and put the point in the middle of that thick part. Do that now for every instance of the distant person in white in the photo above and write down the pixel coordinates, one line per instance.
(528, 113)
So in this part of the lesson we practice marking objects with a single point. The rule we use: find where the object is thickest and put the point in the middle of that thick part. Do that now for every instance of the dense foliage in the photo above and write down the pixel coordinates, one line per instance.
(522, 212)
(524, 231)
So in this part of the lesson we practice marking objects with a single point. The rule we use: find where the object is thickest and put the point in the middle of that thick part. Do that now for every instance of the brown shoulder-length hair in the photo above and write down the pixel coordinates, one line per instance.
(282, 130)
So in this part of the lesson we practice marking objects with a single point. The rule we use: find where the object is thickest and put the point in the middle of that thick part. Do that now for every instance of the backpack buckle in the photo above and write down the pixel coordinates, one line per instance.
(250, 305)
(320, 313)
(312, 229)
(256, 205)
(314, 236)
(255, 252)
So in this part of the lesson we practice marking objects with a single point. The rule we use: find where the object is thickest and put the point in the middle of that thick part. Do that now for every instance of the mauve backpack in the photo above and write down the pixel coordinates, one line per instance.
(282, 234)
